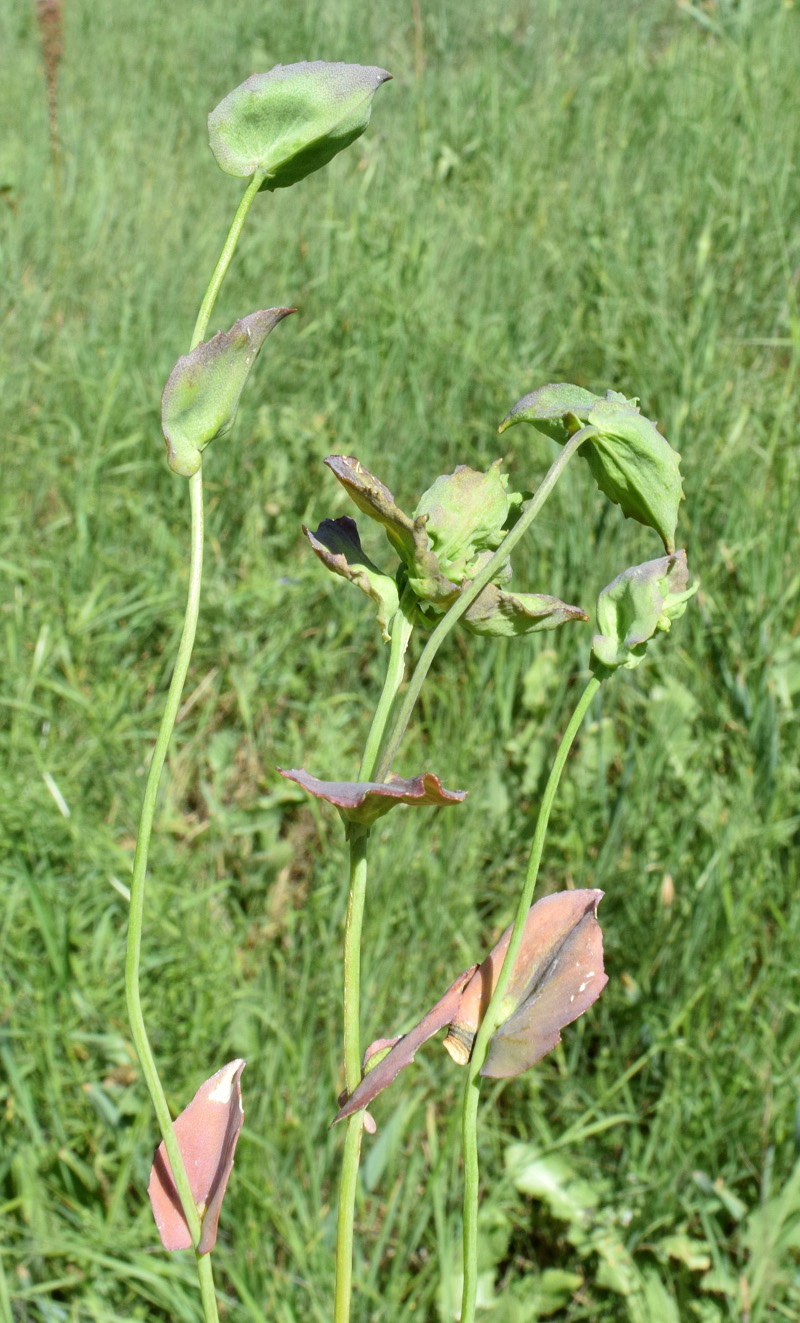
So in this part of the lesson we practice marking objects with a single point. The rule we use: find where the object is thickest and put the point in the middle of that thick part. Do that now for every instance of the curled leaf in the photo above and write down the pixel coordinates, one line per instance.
(557, 975)
(292, 120)
(509, 615)
(640, 602)
(632, 463)
(207, 1131)
(338, 546)
(465, 513)
(203, 389)
(402, 1050)
(365, 801)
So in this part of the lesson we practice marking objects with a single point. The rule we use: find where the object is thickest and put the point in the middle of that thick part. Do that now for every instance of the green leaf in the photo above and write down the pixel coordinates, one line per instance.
(203, 390)
(294, 119)
(639, 603)
(632, 463)
(552, 1180)
(464, 514)
(636, 467)
(508, 615)
(549, 407)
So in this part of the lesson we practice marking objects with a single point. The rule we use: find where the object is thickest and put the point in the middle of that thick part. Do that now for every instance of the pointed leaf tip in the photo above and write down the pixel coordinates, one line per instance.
(207, 1132)
(292, 120)
(203, 390)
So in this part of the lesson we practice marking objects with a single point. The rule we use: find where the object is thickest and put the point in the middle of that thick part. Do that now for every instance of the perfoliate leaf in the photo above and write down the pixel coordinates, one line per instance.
(207, 1131)
(557, 975)
(464, 515)
(379, 1076)
(338, 546)
(292, 120)
(365, 801)
(636, 467)
(640, 602)
(203, 390)
(632, 463)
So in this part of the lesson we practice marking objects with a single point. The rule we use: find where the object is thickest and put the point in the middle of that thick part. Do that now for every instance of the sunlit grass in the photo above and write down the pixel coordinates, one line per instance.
(566, 192)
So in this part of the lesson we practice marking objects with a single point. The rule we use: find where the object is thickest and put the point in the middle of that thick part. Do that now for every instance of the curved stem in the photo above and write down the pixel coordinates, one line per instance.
(468, 596)
(469, 1116)
(352, 1071)
(136, 913)
(210, 296)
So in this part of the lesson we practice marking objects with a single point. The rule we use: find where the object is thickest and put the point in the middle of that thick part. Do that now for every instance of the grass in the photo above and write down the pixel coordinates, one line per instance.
(607, 194)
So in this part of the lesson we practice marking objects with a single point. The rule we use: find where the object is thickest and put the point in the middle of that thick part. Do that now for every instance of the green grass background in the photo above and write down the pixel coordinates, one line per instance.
(562, 190)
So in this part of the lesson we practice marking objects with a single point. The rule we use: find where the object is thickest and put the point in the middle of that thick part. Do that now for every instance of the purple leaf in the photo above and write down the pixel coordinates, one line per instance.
(207, 1131)
(364, 801)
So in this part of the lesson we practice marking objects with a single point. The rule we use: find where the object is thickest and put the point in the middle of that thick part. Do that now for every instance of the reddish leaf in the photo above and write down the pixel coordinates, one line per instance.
(364, 801)
(207, 1131)
(404, 1050)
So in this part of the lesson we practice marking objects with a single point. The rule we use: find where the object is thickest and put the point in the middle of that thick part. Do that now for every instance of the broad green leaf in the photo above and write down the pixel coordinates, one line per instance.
(636, 467)
(292, 120)
(551, 1179)
(632, 463)
(203, 390)
(508, 615)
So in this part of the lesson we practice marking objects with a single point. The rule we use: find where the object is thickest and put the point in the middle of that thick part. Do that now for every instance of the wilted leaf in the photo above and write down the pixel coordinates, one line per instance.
(292, 120)
(556, 977)
(632, 463)
(636, 467)
(403, 1050)
(548, 407)
(338, 546)
(364, 801)
(203, 390)
(206, 1131)
(464, 514)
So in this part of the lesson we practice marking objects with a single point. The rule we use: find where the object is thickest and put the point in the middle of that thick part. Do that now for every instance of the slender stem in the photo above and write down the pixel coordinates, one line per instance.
(469, 1116)
(352, 1071)
(136, 912)
(210, 297)
(401, 633)
(468, 596)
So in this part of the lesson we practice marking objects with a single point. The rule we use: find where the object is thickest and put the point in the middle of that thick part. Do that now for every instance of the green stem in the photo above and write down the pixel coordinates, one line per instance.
(467, 597)
(469, 1119)
(136, 911)
(401, 632)
(210, 297)
(352, 1071)
(401, 628)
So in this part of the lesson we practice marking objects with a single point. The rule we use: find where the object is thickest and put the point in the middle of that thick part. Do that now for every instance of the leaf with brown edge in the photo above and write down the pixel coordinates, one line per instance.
(404, 1050)
(364, 801)
(206, 1131)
